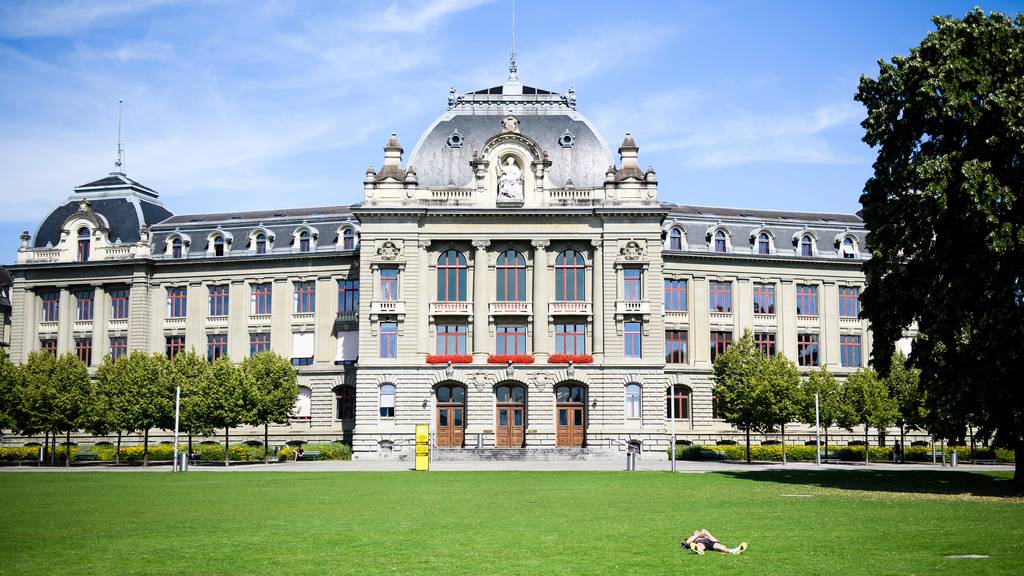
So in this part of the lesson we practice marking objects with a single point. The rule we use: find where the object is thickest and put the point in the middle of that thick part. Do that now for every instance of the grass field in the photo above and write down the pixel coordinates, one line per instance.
(541, 523)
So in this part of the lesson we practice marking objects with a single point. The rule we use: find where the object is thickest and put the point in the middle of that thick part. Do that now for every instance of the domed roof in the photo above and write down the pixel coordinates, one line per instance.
(578, 154)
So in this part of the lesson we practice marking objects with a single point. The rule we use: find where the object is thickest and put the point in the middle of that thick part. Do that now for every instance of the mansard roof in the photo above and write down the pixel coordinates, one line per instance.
(757, 214)
(256, 216)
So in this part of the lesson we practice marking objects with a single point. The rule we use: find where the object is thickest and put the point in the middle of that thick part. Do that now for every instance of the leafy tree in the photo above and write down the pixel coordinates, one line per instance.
(272, 382)
(945, 215)
(780, 385)
(188, 371)
(72, 389)
(865, 401)
(143, 397)
(223, 400)
(824, 384)
(36, 395)
(738, 386)
(8, 391)
(905, 389)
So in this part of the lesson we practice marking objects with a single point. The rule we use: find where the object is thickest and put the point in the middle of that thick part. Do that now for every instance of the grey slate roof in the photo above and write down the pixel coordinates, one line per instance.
(258, 215)
(123, 215)
(713, 211)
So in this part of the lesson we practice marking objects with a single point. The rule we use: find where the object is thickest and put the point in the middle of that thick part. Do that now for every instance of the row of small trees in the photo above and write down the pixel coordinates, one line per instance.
(762, 393)
(56, 395)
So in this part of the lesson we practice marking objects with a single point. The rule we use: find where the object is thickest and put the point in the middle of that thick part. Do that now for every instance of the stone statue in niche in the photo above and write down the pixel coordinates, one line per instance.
(510, 181)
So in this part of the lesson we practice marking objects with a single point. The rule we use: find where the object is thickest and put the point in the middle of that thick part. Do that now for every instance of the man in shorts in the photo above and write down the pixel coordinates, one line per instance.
(702, 540)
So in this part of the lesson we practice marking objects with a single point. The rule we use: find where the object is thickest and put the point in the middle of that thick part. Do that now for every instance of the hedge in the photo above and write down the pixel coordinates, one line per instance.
(846, 453)
(328, 451)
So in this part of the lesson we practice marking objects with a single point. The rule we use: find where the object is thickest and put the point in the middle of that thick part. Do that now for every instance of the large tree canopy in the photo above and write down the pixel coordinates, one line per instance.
(945, 215)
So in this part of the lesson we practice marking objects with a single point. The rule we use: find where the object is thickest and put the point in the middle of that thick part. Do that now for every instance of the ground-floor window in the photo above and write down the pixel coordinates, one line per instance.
(632, 400)
(849, 347)
(118, 347)
(807, 349)
(720, 341)
(387, 401)
(345, 402)
(83, 349)
(678, 404)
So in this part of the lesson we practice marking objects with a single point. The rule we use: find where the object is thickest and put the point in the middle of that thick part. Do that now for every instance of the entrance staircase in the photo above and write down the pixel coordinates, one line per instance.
(524, 454)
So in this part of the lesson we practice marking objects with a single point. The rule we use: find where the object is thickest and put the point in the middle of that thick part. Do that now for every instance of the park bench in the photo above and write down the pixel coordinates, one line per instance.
(712, 454)
(984, 461)
(310, 456)
(86, 455)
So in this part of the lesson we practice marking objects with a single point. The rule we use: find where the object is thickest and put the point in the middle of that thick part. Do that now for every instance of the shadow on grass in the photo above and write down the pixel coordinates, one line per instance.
(905, 481)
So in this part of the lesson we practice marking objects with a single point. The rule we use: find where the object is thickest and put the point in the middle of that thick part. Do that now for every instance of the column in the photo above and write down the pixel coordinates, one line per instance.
(828, 341)
(24, 323)
(423, 304)
(196, 307)
(540, 299)
(743, 306)
(281, 317)
(238, 316)
(785, 308)
(64, 319)
(326, 312)
(700, 337)
(480, 301)
(100, 311)
(598, 299)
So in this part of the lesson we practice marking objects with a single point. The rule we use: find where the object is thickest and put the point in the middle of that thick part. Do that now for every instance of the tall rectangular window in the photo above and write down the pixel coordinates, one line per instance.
(675, 346)
(118, 347)
(633, 333)
(849, 301)
(849, 351)
(51, 305)
(48, 345)
(305, 297)
(303, 348)
(216, 346)
(720, 296)
(259, 342)
(389, 284)
(451, 338)
(119, 303)
(174, 345)
(260, 299)
(632, 400)
(631, 287)
(764, 298)
(177, 301)
(675, 295)
(389, 339)
(807, 349)
(348, 295)
(806, 300)
(83, 349)
(84, 300)
(570, 339)
(510, 338)
(218, 300)
(720, 341)
(765, 342)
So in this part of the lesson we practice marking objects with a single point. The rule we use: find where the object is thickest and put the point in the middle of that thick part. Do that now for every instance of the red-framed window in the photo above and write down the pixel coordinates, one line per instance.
(721, 244)
(511, 270)
(678, 404)
(675, 295)
(119, 303)
(260, 298)
(216, 346)
(51, 305)
(765, 342)
(632, 333)
(345, 402)
(849, 350)
(261, 243)
(807, 349)
(570, 339)
(806, 245)
(676, 342)
(720, 341)
(173, 345)
(764, 243)
(348, 239)
(304, 241)
(305, 297)
(84, 304)
(631, 285)
(177, 301)
(451, 276)
(348, 295)
(218, 297)
(84, 244)
(720, 296)
(83, 349)
(259, 342)
(570, 276)
(48, 345)
(389, 284)
(849, 301)
(451, 338)
(764, 298)
(118, 347)
(389, 339)
(806, 300)
(510, 339)
(675, 239)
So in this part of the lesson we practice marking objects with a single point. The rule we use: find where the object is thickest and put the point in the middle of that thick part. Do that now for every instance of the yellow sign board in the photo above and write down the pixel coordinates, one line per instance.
(422, 447)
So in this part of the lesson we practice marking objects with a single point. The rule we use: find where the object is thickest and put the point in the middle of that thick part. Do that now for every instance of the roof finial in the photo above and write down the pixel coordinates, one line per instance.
(512, 55)
(119, 162)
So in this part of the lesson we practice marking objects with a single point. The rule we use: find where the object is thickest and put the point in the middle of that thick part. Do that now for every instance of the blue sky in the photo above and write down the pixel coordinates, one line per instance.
(243, 105)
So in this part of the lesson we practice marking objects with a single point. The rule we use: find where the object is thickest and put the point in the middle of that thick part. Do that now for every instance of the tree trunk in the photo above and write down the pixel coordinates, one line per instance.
(748, 444)
(266, 445)
(67, 451)
(46, 446)
(1018, 470)
(145, 448)
(117, 454)
(903, 444)
(783, 444)
(867, 453)
(53, 448)
(189, 443)
(227, 453)
(826, 441)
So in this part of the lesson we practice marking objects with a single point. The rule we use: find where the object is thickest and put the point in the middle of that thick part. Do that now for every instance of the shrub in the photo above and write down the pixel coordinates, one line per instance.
(294, 443)
(19, 453)
(772, 443)
(726, 443)
(328, 451)
(773, 453)
(919, 443)
(103, 444)
(253, 443)
(855, 443)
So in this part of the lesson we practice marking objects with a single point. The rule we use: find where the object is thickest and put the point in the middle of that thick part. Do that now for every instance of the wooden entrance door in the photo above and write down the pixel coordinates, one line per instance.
(451, 425)
(510, 426)
(570, 416)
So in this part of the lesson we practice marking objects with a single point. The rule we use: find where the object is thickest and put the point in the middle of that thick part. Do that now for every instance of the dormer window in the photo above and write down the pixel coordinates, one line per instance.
(218, 245)
(849, 248)
(720, 241)
(304, 241)
(176, 248)
(764, 243)
(675, 239)
(84, 244)
(806, 245)
(348, 239)
(261, 243)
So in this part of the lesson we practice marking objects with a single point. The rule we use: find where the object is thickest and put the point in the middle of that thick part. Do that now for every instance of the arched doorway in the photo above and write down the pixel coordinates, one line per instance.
(450, 422)
(510, 416)
(570, 415)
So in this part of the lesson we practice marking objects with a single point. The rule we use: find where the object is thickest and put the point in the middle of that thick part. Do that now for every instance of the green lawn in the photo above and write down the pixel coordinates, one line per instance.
(506, 523)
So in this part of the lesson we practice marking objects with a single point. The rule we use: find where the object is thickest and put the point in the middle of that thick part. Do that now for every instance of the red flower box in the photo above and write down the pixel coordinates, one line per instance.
(446, 358)
(513, 358)
(574, 358)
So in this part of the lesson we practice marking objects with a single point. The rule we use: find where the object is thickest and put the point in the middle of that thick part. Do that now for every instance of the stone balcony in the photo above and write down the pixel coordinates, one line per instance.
(174, 322)
(632, 308)
(680, 318)
(515, 308)
(720, 318)
(570, 308)
(451, 308)
(765, 319)
(259, 319)
(388, 307)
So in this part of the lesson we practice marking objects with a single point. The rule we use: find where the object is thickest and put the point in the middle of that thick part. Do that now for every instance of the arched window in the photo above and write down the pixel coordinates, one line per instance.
(764, 243)
(632, 400)
(849, 248)
(176, 248)
(451, 277)
(510, 394)
(678, 404)
(675, 239)
(84, 242)
(348, 239)
(570, 276)
(720, 241)
(511, 270)
(450, 395)
(806, 245)
(261, 243)
(218, 245)
(345, 402)
(303, 404)
(304, 241)
(387, 401)
(573, 393)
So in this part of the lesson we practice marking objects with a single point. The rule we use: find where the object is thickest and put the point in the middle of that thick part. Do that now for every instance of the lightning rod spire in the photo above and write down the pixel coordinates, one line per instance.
(119, 162)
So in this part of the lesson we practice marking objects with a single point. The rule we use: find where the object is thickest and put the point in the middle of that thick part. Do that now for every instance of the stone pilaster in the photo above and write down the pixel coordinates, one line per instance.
(480, 301)
(100, 312)
(540, 299)
(238, 336)
(598, 297)
(423, 304)
(700, 317)
(64, 319)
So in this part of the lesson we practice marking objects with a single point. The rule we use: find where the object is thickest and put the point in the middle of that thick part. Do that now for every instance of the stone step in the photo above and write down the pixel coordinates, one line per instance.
(534, 454)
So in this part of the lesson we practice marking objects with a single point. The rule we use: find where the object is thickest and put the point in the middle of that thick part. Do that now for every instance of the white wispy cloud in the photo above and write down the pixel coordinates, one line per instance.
(417, 16)
(24, 19)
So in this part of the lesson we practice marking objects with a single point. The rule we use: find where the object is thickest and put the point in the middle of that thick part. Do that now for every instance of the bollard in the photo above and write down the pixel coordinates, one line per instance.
(184, 462)
(953, 459)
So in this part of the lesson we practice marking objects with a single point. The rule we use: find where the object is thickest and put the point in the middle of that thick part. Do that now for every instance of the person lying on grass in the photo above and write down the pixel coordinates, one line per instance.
(702, 540)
